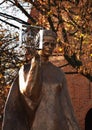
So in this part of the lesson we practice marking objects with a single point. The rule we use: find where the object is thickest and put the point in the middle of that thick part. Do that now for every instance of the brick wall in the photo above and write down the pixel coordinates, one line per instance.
(80, 91)
(81, 96)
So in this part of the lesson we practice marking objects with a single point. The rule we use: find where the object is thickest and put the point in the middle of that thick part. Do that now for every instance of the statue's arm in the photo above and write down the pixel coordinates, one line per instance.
(30, 87)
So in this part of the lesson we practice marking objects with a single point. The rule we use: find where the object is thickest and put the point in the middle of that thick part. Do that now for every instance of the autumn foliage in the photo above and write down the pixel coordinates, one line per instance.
(70, 19)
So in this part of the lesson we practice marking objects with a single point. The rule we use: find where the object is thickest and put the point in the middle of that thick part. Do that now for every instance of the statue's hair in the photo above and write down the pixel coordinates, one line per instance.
(45, 33)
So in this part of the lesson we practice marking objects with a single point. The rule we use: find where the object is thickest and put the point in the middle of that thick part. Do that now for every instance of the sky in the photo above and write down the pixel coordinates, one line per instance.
(8, 9)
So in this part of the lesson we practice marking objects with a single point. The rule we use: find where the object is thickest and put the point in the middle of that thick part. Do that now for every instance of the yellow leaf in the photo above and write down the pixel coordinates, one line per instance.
(1, 75)
(60, 49)
(49, 13)
(91, 54)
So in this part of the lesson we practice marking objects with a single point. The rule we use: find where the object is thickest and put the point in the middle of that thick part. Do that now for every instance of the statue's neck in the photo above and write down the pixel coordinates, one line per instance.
(44, 59)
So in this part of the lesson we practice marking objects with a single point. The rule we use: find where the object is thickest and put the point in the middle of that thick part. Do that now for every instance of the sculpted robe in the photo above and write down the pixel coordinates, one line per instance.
(46, 106)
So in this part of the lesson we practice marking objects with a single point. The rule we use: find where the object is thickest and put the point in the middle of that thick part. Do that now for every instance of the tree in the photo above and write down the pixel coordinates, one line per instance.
(71, 20)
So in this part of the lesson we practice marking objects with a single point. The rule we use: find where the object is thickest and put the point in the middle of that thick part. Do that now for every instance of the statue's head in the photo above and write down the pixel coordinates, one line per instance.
(42, 35)
(45, 42)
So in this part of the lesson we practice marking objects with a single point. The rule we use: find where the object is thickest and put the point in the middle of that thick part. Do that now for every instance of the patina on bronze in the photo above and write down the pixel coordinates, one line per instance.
(39, 97)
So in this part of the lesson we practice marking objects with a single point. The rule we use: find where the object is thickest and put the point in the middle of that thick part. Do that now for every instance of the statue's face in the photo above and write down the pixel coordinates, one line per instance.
(48, 46)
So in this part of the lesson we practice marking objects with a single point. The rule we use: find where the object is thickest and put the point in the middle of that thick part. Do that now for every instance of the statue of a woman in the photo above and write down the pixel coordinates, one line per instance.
(39, 97)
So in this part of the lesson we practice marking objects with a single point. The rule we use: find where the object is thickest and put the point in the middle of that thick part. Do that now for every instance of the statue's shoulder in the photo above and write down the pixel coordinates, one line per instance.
(57, 69)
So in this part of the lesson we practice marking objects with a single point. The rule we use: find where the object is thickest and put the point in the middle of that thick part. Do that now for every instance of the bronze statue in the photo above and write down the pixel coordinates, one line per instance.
(39, 98)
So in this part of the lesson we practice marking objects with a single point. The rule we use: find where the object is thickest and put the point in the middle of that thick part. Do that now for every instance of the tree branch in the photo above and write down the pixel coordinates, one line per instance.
(2, 2)
(24, 11)
(13, 18)
(9, 23)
